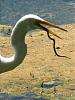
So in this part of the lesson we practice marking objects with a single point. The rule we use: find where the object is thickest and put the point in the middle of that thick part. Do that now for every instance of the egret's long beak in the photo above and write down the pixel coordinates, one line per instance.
(51, 25)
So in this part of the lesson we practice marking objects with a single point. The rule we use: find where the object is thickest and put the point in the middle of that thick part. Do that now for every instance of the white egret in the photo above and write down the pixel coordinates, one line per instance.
(24, 25)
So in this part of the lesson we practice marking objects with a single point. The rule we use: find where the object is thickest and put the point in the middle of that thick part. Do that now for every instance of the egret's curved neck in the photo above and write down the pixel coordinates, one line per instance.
(17, 40)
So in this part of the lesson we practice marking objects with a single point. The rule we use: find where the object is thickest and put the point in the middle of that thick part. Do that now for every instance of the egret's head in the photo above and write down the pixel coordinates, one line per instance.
(30, 22)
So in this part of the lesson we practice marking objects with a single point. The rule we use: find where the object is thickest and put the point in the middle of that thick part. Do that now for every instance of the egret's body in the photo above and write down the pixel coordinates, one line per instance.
(25, 24)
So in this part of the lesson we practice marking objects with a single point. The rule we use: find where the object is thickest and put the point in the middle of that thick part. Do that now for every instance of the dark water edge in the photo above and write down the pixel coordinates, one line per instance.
(56, 11)
(28, 96)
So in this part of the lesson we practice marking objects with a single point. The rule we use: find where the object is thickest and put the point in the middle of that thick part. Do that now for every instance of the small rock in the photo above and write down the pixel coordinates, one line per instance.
(57, 47)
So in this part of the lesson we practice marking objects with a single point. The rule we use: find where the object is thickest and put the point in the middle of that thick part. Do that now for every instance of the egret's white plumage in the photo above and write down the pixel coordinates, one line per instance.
(24, 25)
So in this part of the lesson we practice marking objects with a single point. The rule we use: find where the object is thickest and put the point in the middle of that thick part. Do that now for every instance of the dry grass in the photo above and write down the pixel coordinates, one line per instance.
(41, 64)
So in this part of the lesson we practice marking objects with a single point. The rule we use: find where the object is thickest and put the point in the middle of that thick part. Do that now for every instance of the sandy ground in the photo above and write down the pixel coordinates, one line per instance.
(41, 64)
